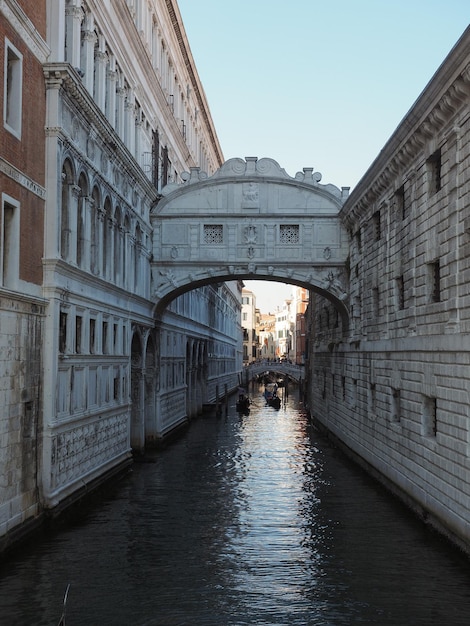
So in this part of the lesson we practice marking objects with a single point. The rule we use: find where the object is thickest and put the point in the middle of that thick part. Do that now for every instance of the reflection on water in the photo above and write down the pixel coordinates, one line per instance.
(245, 520)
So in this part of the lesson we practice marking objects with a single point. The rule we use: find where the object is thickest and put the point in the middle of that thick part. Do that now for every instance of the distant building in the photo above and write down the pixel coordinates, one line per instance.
(285, 331)
(249, 323)
(266, 332)
(300, 304)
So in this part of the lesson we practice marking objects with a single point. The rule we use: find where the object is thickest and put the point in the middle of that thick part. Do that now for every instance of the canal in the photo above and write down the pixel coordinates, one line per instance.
(243, 520)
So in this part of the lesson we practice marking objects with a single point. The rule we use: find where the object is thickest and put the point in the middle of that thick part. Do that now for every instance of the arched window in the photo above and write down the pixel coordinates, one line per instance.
(94, 232)
(125, 252)
(65, 232)
(107, 238)
(137, 252)
(81, 219)
(117, 252)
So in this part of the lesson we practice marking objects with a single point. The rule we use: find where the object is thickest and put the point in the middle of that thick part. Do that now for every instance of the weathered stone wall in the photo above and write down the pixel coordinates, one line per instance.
(394, 390)
(20, 416)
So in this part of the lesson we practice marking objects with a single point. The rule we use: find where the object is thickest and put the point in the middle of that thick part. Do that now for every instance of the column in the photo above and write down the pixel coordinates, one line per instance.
(111, 80)
(88, 53)
(111, 225)
(100, 222)
(121, 99)
(100, 74)
(53, 169)
(129, 126)
(73, 216)
(87, 228)
(56, 28)
(129, 261)
(73, 24)
(138, 140)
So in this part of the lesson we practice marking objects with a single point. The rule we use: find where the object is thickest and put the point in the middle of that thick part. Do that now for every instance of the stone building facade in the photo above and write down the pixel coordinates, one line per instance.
(394, 386)
(126, 115)
(113, 111)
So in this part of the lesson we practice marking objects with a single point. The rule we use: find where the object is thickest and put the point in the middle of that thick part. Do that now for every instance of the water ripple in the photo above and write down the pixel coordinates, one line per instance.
(245, 520)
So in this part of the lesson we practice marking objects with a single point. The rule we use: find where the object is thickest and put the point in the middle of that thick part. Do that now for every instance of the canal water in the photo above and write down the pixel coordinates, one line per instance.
(251, 519)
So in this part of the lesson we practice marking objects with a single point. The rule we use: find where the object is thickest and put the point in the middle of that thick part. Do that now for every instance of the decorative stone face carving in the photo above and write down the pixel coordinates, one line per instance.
(250, 194)
(250, 234)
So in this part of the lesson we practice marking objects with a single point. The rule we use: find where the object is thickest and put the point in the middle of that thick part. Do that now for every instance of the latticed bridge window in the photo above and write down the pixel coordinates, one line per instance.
(213, 233)
(289, 233)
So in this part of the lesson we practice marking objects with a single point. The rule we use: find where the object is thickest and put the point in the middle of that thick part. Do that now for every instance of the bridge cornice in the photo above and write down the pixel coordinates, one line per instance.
(238, 171)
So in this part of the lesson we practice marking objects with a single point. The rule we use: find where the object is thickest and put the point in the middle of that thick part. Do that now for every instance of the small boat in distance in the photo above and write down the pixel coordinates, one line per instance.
(271, 397)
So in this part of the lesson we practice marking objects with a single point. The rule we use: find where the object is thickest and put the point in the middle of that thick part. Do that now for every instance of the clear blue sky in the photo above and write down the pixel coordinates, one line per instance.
(312, 83)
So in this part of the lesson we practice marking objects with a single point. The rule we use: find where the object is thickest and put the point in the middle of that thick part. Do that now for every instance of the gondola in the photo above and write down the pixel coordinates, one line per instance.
(243, 405)
(275, 402)
(271, 397)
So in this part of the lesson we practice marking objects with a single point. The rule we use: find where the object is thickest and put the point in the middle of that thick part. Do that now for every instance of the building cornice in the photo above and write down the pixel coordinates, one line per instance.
(25, 29)
(63, 76)
(438, 103)
(195, 83)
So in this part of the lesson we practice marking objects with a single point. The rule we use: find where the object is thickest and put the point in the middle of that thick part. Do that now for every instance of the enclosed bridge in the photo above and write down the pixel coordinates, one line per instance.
(251, 221)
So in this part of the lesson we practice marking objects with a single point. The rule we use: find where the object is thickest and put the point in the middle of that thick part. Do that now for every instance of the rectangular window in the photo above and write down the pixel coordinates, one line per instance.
(434, 167)
(376, 227)
(78, 334)
(434, 278)
(402, 203)
(289, 233)
(9, 243)
(62, 332)
(115, 338)
(372, 397)
(395, 412)
(124, 340)
(400, 293)
(358, 241)
(213, 233)
(12, 89)
(354, 392)
(92, 335)
(104, 338)
(429, 417)
(116, 386)
(375, 301)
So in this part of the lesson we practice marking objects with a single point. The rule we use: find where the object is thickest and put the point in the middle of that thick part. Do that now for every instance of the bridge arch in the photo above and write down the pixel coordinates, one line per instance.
(291, 371)
(250, 221)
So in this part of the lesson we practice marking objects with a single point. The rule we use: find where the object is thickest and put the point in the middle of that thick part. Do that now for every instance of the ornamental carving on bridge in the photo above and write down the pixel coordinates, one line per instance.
(250, 220)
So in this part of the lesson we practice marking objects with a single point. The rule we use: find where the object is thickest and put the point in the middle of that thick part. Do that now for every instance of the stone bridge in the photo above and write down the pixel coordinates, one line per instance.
(250, 221)
(294, 372)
